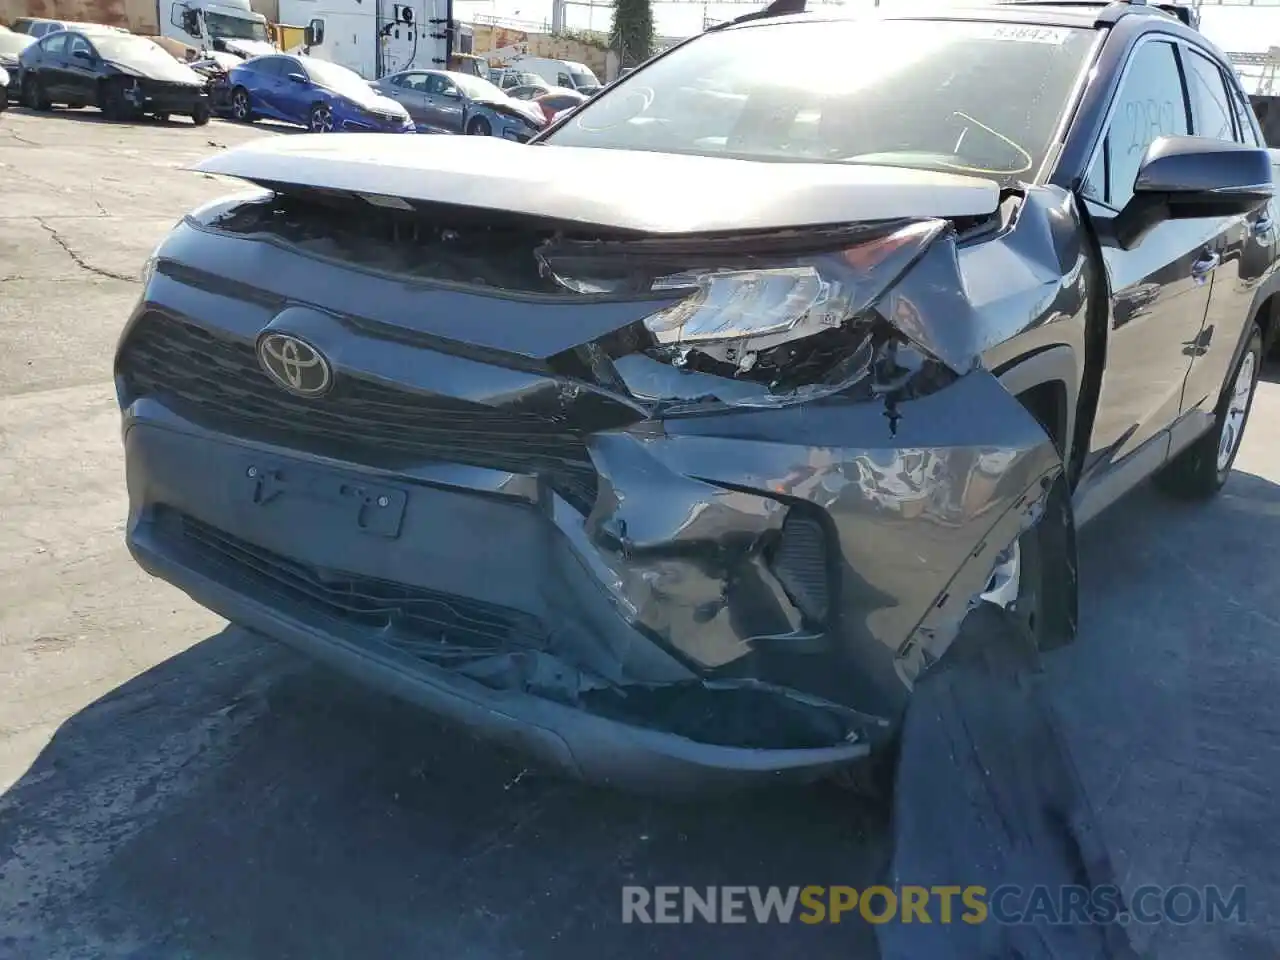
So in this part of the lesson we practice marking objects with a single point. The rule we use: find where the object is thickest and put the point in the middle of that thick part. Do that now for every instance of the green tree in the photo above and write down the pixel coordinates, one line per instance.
(632, 32)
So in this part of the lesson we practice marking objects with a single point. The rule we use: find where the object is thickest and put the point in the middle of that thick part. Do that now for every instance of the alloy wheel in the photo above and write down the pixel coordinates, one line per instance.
(1237, 408)
(321, 119)
(240, 105)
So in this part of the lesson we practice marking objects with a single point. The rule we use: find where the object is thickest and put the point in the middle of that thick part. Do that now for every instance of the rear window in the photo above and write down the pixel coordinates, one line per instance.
(972, 97)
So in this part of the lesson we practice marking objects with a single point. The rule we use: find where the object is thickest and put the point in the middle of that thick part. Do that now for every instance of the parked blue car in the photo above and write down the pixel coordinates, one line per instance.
(321, 96)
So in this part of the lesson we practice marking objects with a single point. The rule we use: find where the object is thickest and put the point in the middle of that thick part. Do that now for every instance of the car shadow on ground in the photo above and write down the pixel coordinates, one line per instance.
(94, 115)
(257, 805)
(240, 801)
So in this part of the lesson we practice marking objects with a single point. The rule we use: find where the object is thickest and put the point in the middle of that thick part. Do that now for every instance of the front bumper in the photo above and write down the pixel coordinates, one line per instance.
(739, 595)
(152, 97)
(376, 124)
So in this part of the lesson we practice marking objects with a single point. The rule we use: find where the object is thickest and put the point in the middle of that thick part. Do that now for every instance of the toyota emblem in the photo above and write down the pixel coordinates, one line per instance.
(294, 364)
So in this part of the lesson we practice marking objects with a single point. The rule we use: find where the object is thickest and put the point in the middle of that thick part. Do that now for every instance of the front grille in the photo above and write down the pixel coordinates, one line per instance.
(424, 623)
(215, 381)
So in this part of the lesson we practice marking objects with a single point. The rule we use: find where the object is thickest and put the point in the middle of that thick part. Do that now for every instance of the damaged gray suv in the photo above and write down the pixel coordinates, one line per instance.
(674, 447)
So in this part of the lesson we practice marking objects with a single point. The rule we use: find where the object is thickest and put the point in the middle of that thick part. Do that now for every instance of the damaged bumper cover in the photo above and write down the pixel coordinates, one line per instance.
(689, 583)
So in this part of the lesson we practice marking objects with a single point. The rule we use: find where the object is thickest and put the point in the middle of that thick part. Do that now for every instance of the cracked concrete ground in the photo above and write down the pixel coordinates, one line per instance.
(175, 788)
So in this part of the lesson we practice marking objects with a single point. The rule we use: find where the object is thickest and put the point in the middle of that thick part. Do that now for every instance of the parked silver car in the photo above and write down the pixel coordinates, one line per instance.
(446, 102)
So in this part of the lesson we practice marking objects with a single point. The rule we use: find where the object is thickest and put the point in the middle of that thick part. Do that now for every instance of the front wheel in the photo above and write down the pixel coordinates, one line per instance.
(321, 119)
(479, 127)
(241, 112)
(1199, 472)
(200, 116)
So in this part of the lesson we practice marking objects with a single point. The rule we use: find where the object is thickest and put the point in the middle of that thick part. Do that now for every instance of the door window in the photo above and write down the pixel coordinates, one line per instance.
(1149, 105)
(1244, 117)
(439, 86)
(1211, 113)
(55, 44)
(78, 44)
(562, 80)
(417, 82)
(273, 67)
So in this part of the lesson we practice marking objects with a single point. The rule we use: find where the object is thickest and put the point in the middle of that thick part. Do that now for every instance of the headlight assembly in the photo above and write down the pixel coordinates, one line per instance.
(772, 332)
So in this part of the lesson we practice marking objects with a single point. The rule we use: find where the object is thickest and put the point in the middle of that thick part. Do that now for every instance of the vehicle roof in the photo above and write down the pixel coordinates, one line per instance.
(1082, 14)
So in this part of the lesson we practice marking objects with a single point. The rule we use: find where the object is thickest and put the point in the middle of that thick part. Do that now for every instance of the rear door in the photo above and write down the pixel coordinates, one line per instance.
(1159, 291)
(52, 68)
(410, 91)
(293, 98)
(269, 80)
(1245, 245)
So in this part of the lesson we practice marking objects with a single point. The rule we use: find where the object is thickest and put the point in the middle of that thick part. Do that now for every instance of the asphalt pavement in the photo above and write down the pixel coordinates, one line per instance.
(173, 787)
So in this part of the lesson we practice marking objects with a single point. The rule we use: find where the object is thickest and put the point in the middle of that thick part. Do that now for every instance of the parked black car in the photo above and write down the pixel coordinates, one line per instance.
(123, 75)
(11, 46)
(679, 444)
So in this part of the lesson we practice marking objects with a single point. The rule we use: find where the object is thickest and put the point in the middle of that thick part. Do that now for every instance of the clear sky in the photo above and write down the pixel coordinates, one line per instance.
(1231, 28)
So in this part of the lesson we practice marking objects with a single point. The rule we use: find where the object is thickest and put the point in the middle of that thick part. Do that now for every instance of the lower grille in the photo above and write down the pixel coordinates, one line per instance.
(215, 381)
(423, 623)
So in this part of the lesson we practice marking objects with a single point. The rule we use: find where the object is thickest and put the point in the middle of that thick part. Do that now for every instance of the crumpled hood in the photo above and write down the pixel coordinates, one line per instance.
(248, 48)
(628, 190)
(159, 69)
(384, 105)
(512, 105)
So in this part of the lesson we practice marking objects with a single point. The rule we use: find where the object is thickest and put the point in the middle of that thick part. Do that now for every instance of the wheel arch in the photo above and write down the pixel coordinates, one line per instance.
(1046, 383)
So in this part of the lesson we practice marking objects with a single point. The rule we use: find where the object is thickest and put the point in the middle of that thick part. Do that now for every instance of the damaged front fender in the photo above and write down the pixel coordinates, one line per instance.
(825, 548)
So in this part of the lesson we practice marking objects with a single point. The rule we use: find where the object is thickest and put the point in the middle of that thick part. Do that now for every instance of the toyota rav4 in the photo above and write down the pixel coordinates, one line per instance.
(675, 446)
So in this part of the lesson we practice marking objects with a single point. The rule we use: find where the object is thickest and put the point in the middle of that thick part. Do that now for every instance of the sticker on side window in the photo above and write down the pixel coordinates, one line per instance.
(1021, 33)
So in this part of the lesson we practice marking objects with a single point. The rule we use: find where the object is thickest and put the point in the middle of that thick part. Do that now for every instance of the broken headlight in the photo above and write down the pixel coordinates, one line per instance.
(799, 329)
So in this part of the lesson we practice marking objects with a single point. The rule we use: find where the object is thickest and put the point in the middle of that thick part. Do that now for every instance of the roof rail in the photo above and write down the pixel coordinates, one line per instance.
(778, 8)
(1109, 11)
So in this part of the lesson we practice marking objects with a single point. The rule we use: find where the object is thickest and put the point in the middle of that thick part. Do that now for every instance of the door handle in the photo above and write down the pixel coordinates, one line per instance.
(1207, 263)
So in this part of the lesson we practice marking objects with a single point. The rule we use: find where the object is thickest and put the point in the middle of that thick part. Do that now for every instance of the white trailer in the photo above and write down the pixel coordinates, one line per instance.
(376, 37)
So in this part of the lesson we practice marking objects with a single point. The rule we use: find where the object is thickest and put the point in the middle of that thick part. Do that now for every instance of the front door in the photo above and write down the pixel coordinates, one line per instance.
(1246, 245)
(81, 70)
(1159, 291)
(444, 103)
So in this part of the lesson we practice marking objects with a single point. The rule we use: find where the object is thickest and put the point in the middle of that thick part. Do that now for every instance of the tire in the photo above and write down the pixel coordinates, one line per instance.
(320, 119)
(479, 127)
(200, 116)
(241, 111)
(1199, 472)
(33, 97)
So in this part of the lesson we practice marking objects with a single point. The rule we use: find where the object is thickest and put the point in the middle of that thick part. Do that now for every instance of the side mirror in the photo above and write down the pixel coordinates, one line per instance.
(84, 55)
(1186, 178)
(298, 77)
(451, 93)
(314, 33)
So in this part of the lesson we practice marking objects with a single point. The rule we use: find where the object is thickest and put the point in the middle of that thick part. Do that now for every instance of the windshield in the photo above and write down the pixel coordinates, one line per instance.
(340, 80)
(12, 44)
(582, 77)
(131, 49)
(477, 89)
(234, 28)
(962, 96)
